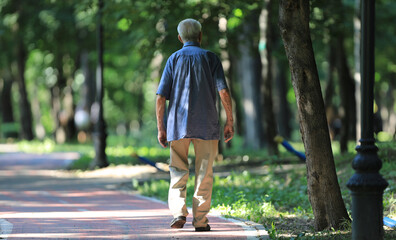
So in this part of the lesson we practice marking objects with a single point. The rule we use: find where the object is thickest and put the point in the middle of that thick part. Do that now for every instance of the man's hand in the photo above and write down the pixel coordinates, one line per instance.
(162, 138)
(228, 131)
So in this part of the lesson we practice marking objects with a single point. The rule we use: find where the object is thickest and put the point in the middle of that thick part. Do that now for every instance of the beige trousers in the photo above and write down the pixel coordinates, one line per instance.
(205, 153)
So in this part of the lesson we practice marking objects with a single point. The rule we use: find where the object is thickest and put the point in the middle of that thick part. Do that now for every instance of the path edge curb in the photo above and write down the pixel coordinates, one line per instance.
(248, 226)
(6, 228)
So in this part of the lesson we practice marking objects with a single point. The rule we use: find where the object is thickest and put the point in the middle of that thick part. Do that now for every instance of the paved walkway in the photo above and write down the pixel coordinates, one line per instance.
(39, 202)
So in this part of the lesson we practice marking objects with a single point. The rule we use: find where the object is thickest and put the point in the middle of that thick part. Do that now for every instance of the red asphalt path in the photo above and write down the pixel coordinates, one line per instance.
(35, 204)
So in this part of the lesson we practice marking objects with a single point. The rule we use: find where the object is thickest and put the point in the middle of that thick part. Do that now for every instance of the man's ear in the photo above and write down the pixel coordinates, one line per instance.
(180, 39)
(200, 37)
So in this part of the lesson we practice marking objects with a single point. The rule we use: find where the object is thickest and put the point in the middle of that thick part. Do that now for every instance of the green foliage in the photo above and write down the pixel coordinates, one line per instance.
(272, 232)
(48, 145)
(244, 195)
(120, 150)
(137, 43)
(45, 146)
(6, 128)
(158, 189)
(83, 163)
(278, 199)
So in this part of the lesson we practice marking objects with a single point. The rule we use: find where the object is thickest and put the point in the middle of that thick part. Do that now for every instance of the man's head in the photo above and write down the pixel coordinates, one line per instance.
(189, 30)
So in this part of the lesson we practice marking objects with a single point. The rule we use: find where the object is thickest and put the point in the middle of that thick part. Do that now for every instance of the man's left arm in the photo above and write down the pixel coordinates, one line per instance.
(227, 104)
(160, 111)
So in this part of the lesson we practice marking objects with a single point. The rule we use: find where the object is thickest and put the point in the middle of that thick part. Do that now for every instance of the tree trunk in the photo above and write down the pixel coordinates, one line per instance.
(68, 109)
(99, 134)
(377, 119)
(227, 66)
(6, 102)
(87, 98)
(284, 113)
(55, 109)
(391, 106)
(140, 103)
(39, 128)
(247, 68)
(266, 32)
(62, 103)
(24, 104)
(347, 99)
(88, 88)
(331, 112)
(58, 93)
(7, 111)
(346, 82)
(329, 92)
(232, 76)
(323, 188)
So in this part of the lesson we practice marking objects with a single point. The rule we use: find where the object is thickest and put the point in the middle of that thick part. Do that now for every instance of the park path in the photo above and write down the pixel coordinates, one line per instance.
(39, 202)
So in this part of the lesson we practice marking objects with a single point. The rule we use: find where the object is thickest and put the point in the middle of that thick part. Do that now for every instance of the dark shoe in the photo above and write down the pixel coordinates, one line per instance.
(178, 222)
(203, 229)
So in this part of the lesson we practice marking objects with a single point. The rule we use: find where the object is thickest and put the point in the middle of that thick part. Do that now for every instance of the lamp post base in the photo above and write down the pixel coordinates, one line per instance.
(367, 187)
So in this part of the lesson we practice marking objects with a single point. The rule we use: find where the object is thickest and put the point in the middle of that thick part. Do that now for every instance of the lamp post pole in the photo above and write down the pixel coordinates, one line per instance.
(367, 185)
(99, 134)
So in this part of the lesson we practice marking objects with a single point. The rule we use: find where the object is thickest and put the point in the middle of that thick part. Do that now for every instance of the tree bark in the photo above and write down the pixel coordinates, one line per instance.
(391, 125)
(38, 127)
(100, 134)
(55, 109)
(24, 104)
(249, 71)
(266, 32)
(331, 111)
(62, 104)
(284, 113)
(6, 103)
(323, 188)
(7, 110)
(87, 93)
(346, 82)
(347, 99)
(329, 92)
(232, 76)
(140, 102)
(88, 88)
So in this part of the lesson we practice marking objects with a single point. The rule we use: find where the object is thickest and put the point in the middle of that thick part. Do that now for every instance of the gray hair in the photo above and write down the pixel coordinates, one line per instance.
(189, 30)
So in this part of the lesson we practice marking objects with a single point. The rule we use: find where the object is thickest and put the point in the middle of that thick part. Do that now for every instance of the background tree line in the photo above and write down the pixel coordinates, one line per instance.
(49, 60)
(48, 65)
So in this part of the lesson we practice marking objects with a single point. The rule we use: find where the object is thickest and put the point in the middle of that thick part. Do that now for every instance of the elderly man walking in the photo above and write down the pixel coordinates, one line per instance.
(190, 81)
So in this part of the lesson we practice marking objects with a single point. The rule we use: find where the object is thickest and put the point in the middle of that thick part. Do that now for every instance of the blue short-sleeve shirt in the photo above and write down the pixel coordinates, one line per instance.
(190, 81)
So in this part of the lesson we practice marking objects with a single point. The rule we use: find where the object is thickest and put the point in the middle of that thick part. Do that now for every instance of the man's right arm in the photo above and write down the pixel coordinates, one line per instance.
(227, 104)
(160, 111)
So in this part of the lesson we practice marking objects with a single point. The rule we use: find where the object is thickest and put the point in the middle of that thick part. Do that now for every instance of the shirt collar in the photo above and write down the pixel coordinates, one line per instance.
(187, 44)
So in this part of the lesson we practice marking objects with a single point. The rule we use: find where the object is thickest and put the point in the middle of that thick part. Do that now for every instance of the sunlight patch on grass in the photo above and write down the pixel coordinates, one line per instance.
(279, 199)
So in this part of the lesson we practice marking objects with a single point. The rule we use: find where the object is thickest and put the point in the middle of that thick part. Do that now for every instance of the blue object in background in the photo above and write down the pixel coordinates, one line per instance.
(389, 222)
(149, 162)
(290, 148)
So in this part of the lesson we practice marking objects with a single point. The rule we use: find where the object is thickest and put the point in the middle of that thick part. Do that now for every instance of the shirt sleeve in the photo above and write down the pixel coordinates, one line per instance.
(165, 85)
(218, 74)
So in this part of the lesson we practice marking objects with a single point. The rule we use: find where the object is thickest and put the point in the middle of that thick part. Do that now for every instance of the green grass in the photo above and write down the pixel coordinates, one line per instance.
(278, 199)
(119, 151)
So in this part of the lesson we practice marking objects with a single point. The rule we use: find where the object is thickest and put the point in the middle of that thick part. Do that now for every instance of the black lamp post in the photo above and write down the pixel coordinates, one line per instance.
(367, 185)
(99, 134)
